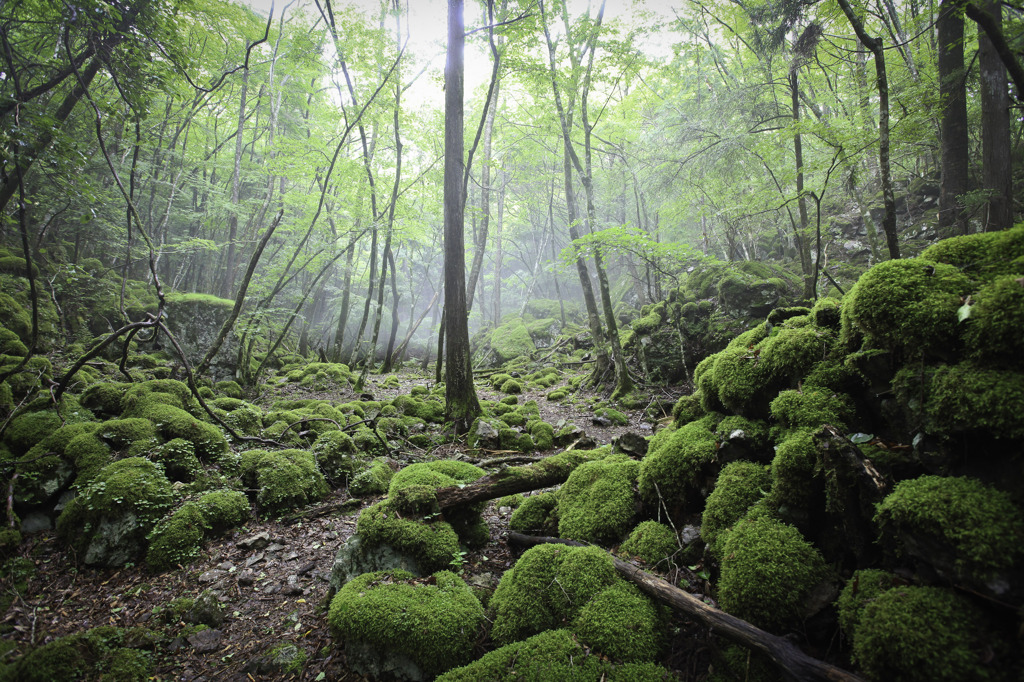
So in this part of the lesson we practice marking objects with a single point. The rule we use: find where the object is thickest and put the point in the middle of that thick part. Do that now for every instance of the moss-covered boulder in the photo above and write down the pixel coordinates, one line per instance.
(108, 521)
(771, 576)
(653, 542)
(552, 656)
(424, 545)
(964, 530)
(920, 634)
(863, 587)
(537, 514)
(108, 653)
(394, 624)
(679, 466)
(196, 320)
(740, 485)
(372, 481)
(176, 540)
(511, 340)
(597, 504)
(284, 479)
(178, 458)
(336, 457)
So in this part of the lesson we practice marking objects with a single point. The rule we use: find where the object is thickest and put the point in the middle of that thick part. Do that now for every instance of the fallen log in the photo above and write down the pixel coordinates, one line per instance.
(791, 660)
(548, 472)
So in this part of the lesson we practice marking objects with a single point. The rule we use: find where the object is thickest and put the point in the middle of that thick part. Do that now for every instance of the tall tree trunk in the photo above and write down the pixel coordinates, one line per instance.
(888, 199)
(953, 93)
(499, 252)
(997, 165)
(802, 241)
(461, 404)
(228, 279)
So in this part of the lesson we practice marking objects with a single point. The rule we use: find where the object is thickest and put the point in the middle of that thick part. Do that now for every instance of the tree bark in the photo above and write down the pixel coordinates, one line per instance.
(461, 404)
(544, 474)
(996, 145)
(792, 661)
(953, 94)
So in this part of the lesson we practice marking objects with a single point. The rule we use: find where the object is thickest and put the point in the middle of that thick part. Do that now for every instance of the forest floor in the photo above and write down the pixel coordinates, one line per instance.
(271, 577)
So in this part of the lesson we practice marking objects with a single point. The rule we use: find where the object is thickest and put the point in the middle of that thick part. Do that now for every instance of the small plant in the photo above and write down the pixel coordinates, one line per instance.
(458, 560)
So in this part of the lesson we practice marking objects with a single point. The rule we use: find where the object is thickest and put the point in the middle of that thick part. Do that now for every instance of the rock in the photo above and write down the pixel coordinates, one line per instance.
(283, 659)
(246, 578)
(275, 547)
(212, 575)
(600, 421)
(195, 320)
(50, 477)
(206, 610)
(36, 522)
(567, 433)
(256, 541)
(115, 542)
(355, 558)
(205, 641)
(633, 444)
(486, 436)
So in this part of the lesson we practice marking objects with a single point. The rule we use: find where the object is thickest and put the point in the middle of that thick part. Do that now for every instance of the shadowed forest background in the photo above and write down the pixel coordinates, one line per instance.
(730, 289)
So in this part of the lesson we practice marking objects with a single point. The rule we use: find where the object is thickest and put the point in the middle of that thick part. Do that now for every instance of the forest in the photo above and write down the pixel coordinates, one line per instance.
(512, 340)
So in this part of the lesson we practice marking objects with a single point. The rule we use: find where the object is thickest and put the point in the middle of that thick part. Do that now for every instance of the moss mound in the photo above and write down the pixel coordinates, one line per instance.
(596, 502)
(537, 514)
(433, 621)
(178, 458)
(676, 465)
(920, 634)
(431, 543)
(285, 479)
(107, 653)
(373, 480)
(176, 540)
(622, 624)
(336, 457)
(651, 541)
(861, 589)
(740, 485)
(768, 573)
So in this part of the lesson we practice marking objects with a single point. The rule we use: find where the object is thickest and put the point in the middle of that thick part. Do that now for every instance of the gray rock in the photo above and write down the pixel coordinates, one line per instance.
(50, 476)
(367, 659)
(206, 610)
(116, 541)
(255, 541)
(35, 522)
(206, 641)
(487, 436)
(357, 557)
(633, 444)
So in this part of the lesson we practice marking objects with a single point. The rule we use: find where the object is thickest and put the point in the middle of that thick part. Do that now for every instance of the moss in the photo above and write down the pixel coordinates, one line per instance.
(336, 456)
(285, 479)
(412, 492)
(246, 419)
(905, 305)
(158, 391)
(768, 572)
(731, 379)
(104, 398)
(512, 386)
(368, 441)
(651, 541)
(622, 624)
(834, 376)
(178, 458)
(920, 634)
(863, 587)
(511, 340)
(543, 435)
(740, 485)
(223, 509)
(229, 388)
(123, 432)
(10, 344)
(983, 255)
(88, 454)
(811, 408)
(537, 514)
(755, 430)
(687, 409)
(432, 543)
(173, 422)
(978, 526)
(176, 540)
(549, 585)
(614, 416)
(132, 488)
(28, 428)
(992, 332)
(106, 653)
(16, 318)
(510, 501)
(676, 463)
(552, 656)
(557, 394)
(371, 481)
(496, 380)
(792, 472)
(963, 398)
(596, 502)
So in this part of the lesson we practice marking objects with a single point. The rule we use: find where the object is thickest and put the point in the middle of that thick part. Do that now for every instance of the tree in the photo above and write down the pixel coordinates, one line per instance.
(953, 91)
(997, 168)
(461, 404)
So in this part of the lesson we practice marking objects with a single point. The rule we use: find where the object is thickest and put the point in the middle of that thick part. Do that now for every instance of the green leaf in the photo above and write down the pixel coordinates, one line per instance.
(964, 311)
(861, 437)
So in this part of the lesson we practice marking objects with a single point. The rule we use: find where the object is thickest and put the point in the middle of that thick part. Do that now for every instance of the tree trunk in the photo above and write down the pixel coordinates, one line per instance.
(996, 145)
(544, 474)
(802, 242)
(953, 94)
(228, 279)
(461, 404)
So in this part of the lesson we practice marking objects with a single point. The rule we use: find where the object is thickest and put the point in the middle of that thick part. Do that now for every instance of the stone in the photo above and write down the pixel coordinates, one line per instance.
(36, 522)
(633, 444)
(256, 541)
(206, 610)
(355, 558)
(115, 542)
(487, 436)
(206, 641)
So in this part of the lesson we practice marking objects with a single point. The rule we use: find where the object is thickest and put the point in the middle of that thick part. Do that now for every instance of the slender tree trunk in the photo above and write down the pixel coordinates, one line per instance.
(802, 241)
(997, 165)
(228, 281)
(953, 93)
(461, 404)
(499, 252)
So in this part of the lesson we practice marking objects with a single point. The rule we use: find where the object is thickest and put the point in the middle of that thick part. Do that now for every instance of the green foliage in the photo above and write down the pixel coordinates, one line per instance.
(863, 587)
(537, 514)
(432, 621)
(905, 305)
(651, 541)
(740, 485)
(110, 653)
(431, 542)
(921, 634)
(178, 458)
(549, 585)
(596, 503)
(980, 527)
(285, 479)
(768, 572)
(177, 539)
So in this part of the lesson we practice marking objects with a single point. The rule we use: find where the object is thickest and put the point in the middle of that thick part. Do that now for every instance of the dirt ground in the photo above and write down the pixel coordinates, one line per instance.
(271, 578)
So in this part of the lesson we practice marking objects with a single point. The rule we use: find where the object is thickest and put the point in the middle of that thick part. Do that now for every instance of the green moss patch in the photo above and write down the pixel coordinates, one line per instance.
(740, 485)
(432, 621)
(863, 587)
(537, 514)
(108, 653)
(285, 479)
(373, 480)
(651, 541)
(431, 543)
(676, 464)
(596, 503)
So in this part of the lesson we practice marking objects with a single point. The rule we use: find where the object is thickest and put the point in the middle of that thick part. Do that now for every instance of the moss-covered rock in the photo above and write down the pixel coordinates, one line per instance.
(863, 587)
(430, 543)
(983, 255)
(394, 623)
(120, 433)
(552, 656)
(512, 386)
(596, 503)
(549, 585)
(285, 479)
(653, 542)
(373, 480)
(621, 623)
(537, 514)
(104, 398)
(794, 487)
(965, 530)
(223, 509)
(740, 485)
(29, 428)
(677, 464)
(173, 422)
(336, 457)
(108, 653)
(769, 574)
(511, 340)
(176, 539)
(811, 409)
(905, 305)
(612, 415)
(178, 458)
(920, 634)
(108, 521)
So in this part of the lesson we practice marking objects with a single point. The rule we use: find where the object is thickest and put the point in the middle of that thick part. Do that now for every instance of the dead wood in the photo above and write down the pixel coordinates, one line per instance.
(548, 472)
(792, 661)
